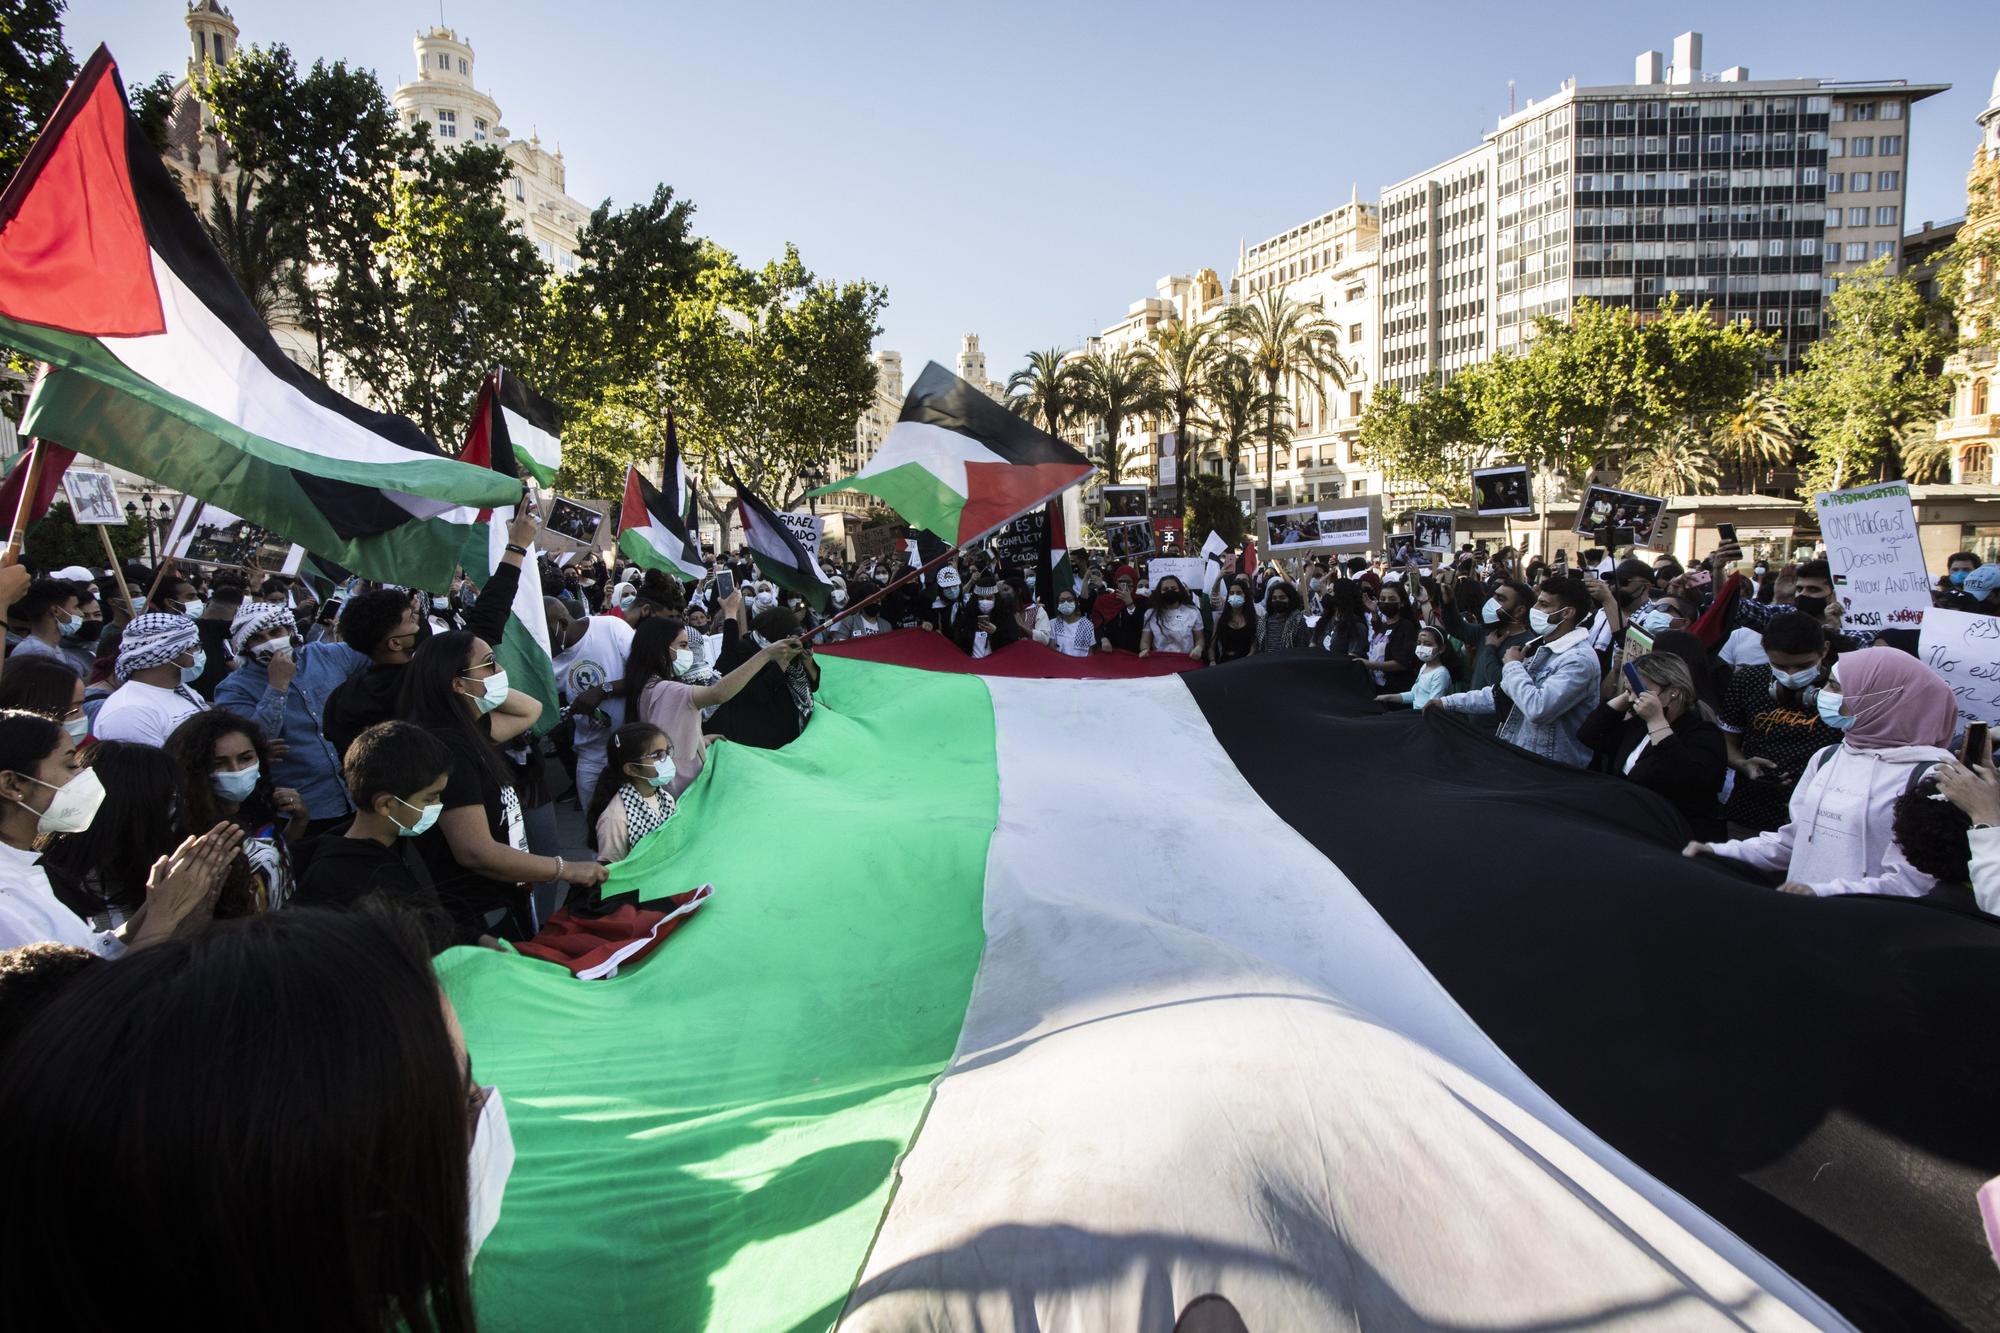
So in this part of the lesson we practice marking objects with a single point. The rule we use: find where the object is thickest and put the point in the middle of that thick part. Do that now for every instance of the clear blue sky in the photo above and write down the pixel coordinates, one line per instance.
(1025, 172)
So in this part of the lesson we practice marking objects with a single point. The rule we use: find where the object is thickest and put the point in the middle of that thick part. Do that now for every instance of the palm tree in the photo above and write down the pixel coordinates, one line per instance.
(1677, 464)
(1234, 402)
(1045, 388)
(1115, 461)
(241, 229)
(1925, 457)
(1756, 434)
(1114, 386)
(1280, 336)
(1182, 358)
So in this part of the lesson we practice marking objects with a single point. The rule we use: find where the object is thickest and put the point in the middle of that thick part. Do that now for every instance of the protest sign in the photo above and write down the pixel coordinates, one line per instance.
(206, 534)
(1291, 529)
(807, 528)
(1192, 571)
(1124, 501)
(92, 498)
(1631, 516)
(1501, 490)
(877, 543)
(1168, 539)
(1355, 526)
(1434, 531)
(1964, 648)
(1024, 543)
(1127, 538)
(1874, 553)
(573, 521)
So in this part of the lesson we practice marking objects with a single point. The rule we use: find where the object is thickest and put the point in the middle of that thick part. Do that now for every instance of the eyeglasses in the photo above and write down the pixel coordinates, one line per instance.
(656, 756)
(487, 665)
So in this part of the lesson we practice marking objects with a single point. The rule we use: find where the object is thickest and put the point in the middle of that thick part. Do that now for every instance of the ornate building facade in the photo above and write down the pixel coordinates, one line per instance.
(1973, 429)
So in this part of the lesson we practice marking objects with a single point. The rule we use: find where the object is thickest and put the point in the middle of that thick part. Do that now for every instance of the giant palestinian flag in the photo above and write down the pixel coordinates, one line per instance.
(492, 441)
(1063, 1002)
(959, 465)
(778, 554)
(162, 365)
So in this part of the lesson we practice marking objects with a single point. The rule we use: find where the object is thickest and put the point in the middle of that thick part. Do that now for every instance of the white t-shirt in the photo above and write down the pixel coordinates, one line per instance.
(30, 912)
(145, 714)
(597, 659)
(1173, 628)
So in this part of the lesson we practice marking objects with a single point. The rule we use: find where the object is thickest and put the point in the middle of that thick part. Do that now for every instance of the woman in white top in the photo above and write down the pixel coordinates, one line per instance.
(44, 790)
(1071, 633)
(1172, 624)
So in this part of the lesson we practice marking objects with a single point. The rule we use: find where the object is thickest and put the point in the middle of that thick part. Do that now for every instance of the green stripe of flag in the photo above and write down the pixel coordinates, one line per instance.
(914, 492)
(709, 1139)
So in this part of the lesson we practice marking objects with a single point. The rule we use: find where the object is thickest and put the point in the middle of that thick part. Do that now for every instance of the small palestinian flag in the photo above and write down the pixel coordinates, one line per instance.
(651, 535)
(160, 363)
(528, 424)
(778, 553)
(960, 465)
(524, 648)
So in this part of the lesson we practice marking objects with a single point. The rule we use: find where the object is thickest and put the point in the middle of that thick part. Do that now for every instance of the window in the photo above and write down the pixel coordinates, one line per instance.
(1858, 181)
(1862, 146)
(444, 61)
(1354, 333)
(1857, 217)
(1839, 110)
(1883, 249)
(1976, 461)
(1892, 144)
(1683, 143)
(1807, 316)
(1885, 216)
(1715, 143)
(1836, 147)
(1861, 111)
(1892, 111)
(1832, 217)
(1354, 403)
(1809, 245)
(520, 188)
(1774, 318)
(462, 69)
(1855, 252)
(1979, 403)
(1652, 143)
(1361, 486)
(1774, 249)
(447, 123)
(1888, 180)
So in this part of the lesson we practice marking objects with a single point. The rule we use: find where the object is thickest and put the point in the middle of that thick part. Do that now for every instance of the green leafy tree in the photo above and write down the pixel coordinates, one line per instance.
(1281, 337)
(1210, 506)
(152, 104)
(1428, 439)
(442, 298)
(1045, 390)
(35, 69)
(1868, 378)
(1676, 464)
(326, 154)
(1182, 358)
(1235, 405)
(1114, 387)
(56, 539)
(243, 227)
(1925, 457)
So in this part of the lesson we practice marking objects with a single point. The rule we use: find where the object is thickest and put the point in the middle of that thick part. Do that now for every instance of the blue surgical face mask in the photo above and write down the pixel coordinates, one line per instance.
(1828, 704)
(1796, 680)
(191, 674)
(67, 626)
(662, 774)
(237, 785)
(1958, 577)
(427, 815)
(493, 692)
(1656, 620)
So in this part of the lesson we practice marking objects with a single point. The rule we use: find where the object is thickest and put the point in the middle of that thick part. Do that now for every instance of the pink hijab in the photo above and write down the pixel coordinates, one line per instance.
(1895, 700)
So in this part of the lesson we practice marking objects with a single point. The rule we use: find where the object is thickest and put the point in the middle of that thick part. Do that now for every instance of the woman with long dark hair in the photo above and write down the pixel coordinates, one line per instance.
(100, 873)
(46, 686)
(299, 1137)
(225, 765)
(658, 693)
(478, 851)
(1235, 623)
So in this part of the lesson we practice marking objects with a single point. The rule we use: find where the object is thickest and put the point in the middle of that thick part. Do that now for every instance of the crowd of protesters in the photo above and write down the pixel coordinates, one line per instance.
(309, 790)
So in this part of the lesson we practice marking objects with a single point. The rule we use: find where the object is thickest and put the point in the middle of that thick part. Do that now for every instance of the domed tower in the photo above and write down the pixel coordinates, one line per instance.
(444, 94)
(971, 361)
(211, 35)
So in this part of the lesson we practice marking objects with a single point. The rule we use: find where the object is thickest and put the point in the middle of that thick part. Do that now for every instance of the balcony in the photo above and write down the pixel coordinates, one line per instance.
(1981, 427)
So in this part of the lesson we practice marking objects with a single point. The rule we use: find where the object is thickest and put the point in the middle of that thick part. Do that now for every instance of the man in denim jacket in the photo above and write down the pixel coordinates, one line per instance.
(283, 687)
(1554, 690)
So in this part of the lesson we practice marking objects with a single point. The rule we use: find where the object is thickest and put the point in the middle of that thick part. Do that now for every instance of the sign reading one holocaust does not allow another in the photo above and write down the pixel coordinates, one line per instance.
(1875, 555)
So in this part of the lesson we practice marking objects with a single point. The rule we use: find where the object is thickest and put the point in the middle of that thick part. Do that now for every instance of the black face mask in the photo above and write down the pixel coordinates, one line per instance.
(1391, 610)
(1280, 606)
(1812, 606)
(90, 631)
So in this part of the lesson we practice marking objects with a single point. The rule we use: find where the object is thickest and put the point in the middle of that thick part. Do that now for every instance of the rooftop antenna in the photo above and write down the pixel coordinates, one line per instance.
(1510, 82)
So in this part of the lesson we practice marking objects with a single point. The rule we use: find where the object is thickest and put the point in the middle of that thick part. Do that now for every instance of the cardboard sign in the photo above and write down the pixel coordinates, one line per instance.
(1502, 490)
(1876, 558)
(1024, 543)
(573, 521)
(807, 528)
(206, 534)
(1434, 531)
(1608, 507)
(1355, 526)
(1127, 538)
(1294, 528)
(1964, 648)
(92, 498)
(1190, 570)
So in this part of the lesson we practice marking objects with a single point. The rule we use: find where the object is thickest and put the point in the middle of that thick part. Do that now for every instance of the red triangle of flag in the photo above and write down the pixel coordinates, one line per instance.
(73, 250)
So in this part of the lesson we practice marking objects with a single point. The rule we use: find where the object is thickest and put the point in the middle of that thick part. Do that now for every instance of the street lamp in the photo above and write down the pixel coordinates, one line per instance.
(145, 510)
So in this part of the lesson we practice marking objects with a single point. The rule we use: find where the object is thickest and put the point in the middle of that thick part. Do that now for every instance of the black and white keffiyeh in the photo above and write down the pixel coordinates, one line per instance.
(153, 639)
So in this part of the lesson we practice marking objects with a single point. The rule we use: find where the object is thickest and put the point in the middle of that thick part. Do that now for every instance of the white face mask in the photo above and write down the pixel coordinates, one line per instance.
(985, 606)
(683, 661)
(1490, 613)
(237, 784)
(1425, 652)
(766, 600)
(1236, 599)
(266, 653)
(74, 804)
(193, 610)
(486, 1172)
(1540, 621)
(1066, 608)
(493, 691)
(839, 597)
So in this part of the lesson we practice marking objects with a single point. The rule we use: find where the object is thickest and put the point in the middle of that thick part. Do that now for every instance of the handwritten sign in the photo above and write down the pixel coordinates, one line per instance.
(1965, 649)
(1877, 560)
(806, 527)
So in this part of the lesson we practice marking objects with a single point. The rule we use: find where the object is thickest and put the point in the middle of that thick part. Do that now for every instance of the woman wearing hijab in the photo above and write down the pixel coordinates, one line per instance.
(1897, 716)
(1284, 619)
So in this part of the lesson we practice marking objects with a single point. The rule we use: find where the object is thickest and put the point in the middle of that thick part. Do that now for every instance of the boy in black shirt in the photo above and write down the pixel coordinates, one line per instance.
(396, 774)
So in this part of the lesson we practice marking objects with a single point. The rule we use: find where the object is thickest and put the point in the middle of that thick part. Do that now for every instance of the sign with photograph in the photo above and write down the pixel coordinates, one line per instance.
(1402, 548)
(1633, 518)
(206, 534)
(1355, 526)
(573, 521)
(1167, 536)
(1501, 490)
(1434, 532)
(1292, 529)
(1964, 648)
(1124, 502)
(92, 498)
(1128, 538)
(1877, 561)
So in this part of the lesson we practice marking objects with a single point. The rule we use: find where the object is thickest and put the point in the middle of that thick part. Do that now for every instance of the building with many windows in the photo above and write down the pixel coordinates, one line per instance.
(458, 111)
(1754, 195)
(1973, 428)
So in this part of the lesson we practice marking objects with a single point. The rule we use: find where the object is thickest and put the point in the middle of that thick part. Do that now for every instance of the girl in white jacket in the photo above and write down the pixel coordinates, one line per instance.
(1897, 715)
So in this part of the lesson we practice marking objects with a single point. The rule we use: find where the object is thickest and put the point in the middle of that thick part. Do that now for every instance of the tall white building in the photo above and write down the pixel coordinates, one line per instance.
(536, 194)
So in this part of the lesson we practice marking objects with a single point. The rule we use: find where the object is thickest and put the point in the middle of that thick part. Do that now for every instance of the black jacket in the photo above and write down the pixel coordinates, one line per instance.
(1687, 769)
(339, 872)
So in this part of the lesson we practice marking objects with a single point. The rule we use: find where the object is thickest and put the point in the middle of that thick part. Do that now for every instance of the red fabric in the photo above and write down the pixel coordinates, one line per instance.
(999, 492)
(1022, 659)
(73, 251)
(1248, 563)
(55, 461)
(1713, 626)
(580, 943)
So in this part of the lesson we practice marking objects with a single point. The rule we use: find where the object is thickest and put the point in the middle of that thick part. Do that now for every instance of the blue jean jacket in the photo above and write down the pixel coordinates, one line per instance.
(293, 715)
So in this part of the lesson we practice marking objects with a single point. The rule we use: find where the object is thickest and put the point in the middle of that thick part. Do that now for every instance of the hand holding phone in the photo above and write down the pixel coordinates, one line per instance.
(1978, 748)
(725, 583)
(1633, 679)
